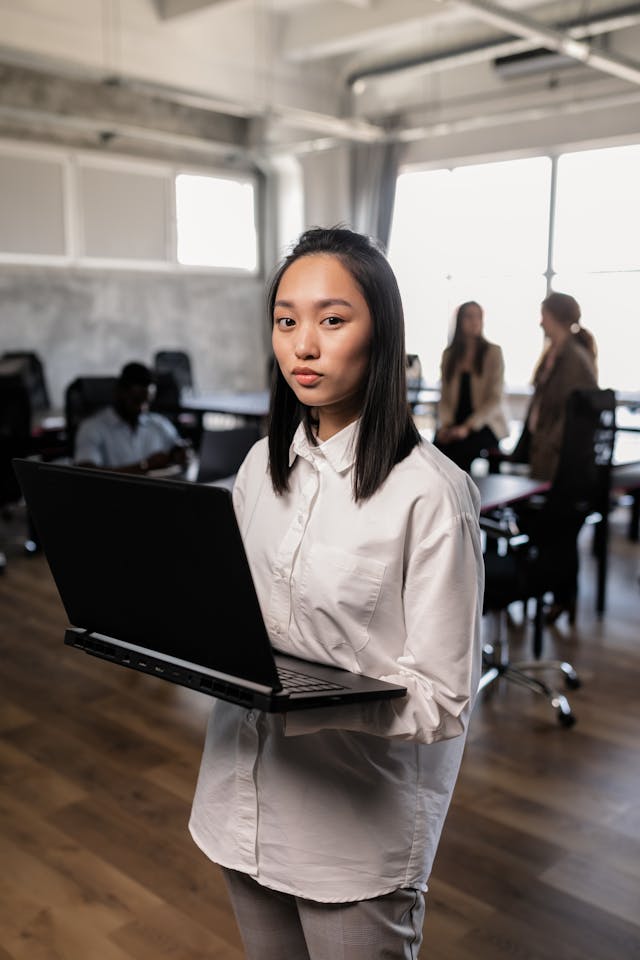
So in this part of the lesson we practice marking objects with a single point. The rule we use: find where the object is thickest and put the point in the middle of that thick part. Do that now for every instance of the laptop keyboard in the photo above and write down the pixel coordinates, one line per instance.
(302, 683)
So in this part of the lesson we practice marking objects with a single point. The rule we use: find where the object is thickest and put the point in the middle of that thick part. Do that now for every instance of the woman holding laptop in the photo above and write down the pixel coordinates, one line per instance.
(364, 546)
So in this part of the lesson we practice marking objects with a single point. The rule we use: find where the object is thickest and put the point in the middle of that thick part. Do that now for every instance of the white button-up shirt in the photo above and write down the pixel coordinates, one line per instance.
(346, 803)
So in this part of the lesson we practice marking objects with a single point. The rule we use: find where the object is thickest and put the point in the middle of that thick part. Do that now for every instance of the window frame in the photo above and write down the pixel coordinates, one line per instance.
(73, 161)
(554, 156)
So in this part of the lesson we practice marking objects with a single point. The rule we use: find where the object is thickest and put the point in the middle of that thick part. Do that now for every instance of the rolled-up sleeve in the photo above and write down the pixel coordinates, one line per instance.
(441, 659)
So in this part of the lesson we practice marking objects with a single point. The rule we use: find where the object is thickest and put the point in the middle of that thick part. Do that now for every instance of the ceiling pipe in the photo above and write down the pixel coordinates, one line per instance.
(445, 128)
(520, 115)
(552, 39)
(609, 21)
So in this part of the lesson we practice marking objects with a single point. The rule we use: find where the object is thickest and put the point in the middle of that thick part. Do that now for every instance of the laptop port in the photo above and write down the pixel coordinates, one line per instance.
(206, 683)
(158, 669)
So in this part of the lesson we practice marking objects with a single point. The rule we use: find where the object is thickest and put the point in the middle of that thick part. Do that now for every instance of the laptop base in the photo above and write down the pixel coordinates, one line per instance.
(347, 687)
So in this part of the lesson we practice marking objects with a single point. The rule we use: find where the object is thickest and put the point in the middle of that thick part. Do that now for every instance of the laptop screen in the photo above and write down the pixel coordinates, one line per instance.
(156, 563)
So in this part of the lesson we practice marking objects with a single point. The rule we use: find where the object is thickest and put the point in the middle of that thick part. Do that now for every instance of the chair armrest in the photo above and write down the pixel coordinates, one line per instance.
(503, 526)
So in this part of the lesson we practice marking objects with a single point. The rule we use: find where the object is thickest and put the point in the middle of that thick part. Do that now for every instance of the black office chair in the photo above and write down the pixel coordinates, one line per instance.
(176, 362)
(521, 573)
(15, 429)
(582, 483)
(35, 379)
(539, 551)
(222, 451)
(83, 397)
(167, 401)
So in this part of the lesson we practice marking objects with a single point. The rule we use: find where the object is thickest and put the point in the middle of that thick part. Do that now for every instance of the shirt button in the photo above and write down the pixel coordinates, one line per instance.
(251, 716)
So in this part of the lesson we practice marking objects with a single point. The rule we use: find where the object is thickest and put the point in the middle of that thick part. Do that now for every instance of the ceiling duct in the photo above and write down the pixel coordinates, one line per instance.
(531, 62)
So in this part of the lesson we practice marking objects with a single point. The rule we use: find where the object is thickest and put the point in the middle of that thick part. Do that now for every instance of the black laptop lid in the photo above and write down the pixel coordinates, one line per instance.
(156, 563)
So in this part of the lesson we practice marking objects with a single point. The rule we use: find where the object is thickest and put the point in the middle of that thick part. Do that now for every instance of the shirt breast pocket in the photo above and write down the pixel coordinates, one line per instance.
(338, 593)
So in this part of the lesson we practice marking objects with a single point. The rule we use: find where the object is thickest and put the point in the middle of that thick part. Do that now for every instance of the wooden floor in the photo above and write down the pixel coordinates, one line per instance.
(540, 857)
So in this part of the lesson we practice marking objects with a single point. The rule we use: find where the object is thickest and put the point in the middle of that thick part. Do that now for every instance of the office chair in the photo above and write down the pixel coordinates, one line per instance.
(539, 551)
(222, 451)
(35, 379)
(167, 401)
(15, 429)
(176, 362)
(520, 573)
(83, 397)
(581, 487)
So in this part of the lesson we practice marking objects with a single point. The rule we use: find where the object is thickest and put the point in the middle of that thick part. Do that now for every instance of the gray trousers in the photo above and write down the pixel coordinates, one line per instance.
(279, 926)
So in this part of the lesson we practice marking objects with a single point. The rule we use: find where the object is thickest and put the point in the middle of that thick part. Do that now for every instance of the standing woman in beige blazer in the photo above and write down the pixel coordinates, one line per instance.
(470, 414)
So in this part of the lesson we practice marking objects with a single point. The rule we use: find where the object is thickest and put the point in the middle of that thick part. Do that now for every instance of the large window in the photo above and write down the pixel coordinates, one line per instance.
(68, 207)
(597, 253)
(485, 233)
(216, 222)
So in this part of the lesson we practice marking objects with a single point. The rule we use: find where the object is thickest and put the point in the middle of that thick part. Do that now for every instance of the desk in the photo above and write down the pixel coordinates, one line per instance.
(503, 489)
(254, 405)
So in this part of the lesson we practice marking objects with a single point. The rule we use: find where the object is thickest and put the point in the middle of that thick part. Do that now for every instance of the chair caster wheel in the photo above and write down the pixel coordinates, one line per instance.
(566, 719)
(572, 683)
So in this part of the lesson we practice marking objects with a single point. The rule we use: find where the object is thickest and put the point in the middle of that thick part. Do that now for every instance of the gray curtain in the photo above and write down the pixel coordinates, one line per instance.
(374, 169)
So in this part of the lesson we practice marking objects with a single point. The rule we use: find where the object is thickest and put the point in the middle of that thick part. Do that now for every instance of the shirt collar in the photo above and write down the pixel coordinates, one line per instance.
(339, 451)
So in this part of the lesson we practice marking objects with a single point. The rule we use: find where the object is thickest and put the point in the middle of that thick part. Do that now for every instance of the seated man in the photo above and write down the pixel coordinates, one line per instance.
(125, 436)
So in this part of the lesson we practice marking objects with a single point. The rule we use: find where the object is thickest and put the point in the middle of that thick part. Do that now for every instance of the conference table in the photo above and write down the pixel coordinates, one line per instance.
(504, 489)
(251, 404)
(254, 404)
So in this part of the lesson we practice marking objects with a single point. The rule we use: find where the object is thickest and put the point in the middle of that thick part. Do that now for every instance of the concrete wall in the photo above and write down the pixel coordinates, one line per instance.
(92, 322)
(327, 193)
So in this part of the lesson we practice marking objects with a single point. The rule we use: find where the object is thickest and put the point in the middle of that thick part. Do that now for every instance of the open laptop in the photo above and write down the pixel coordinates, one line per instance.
(153, 576)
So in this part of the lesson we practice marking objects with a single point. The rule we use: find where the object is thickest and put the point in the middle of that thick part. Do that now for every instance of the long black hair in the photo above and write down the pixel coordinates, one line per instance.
(387, 433)
(456, 349)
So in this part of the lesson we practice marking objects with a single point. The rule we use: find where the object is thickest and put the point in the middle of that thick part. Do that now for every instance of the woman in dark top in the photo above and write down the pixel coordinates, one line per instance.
(470, 413)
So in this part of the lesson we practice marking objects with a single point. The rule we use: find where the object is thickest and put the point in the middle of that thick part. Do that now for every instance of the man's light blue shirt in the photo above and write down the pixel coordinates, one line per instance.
(106, 440)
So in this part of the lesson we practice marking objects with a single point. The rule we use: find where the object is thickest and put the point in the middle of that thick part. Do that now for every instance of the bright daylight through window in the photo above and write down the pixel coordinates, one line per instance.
(484, 232)
(216, 222)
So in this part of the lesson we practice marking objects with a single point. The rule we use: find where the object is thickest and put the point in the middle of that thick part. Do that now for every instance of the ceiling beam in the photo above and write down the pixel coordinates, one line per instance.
(614, 19)
(529, 114)
(286, 6)
(168, 9)
(512, 21)
(332, 28)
